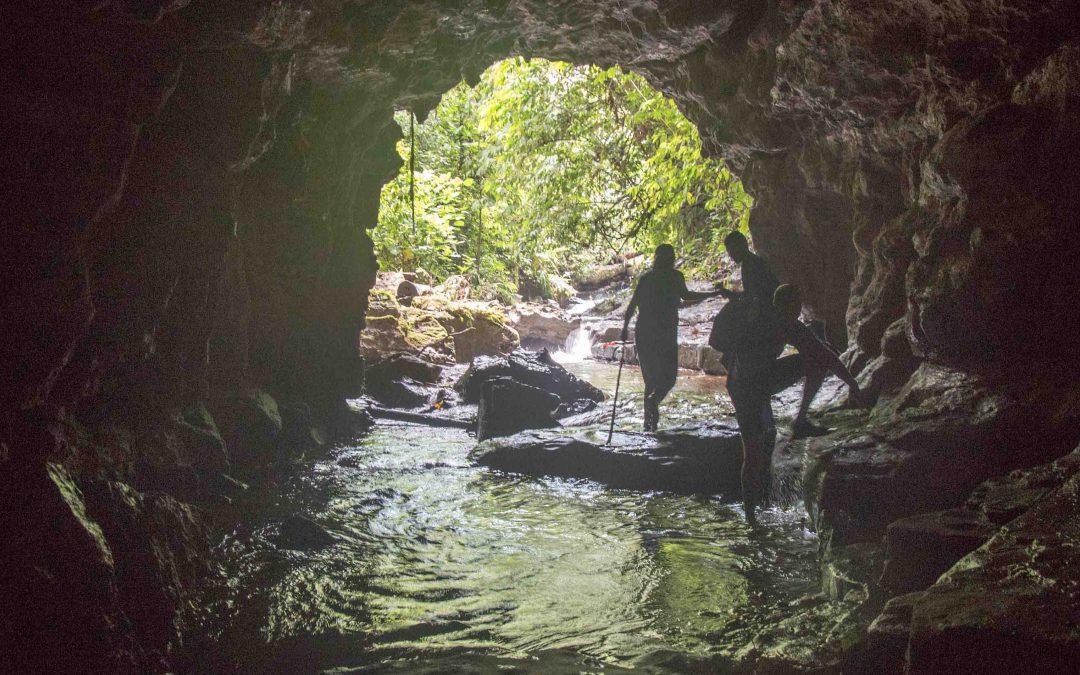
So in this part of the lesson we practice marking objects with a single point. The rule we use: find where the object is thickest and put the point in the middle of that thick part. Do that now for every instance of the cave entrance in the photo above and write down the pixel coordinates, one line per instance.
(538, 181)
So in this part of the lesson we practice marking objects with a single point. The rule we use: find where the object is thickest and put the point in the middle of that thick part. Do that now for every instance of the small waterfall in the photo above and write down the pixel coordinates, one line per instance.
(578, 346)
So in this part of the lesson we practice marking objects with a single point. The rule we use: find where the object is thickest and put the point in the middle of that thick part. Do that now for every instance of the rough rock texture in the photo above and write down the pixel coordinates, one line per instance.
(508, 406)
(704, 459)
(921, 548)
(543, 326)
(1012, 605)
(936, 441)
(190, 185)
(536, 369)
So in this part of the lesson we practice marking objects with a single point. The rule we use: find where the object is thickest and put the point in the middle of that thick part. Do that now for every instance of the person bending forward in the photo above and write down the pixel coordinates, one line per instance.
(656, 333)
(756, 374)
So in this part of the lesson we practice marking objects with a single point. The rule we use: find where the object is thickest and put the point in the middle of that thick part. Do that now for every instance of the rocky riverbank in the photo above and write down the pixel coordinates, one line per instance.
(442, 324)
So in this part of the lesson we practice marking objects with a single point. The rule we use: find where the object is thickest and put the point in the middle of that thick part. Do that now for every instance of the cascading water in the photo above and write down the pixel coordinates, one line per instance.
(578, 346)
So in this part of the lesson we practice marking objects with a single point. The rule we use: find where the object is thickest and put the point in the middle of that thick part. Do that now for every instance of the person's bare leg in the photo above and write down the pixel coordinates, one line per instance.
(648, 415)
(751, 476)
(802, 427)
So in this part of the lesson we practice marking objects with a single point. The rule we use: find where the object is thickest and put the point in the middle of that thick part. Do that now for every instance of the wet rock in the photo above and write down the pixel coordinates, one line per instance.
(921, 548)
(1013, 604)
(58, 579)
(848, 568)
(812, 641)
(402, 381)
(508, 406)
(300, 432)
(198, 432)
(886, 639)
(397, 365)
(536, 369)
(576, 407)
(300, 533)
(706, 459)
(403, 392)
(1004, 498)
(157, 546)
(542, 325)
(612, 351)
(926, 450)
(250, 422)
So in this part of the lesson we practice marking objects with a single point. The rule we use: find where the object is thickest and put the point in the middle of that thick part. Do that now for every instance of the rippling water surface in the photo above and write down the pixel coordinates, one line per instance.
(440, 565)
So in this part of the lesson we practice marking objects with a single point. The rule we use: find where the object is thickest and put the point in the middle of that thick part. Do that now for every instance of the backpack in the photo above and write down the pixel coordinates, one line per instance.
(740, 326)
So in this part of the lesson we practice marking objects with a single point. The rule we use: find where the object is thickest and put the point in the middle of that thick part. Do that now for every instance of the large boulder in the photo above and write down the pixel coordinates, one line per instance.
(479, 331)
(1012, 605)
(250, 422)
(542, 325)
(921, 548)
(694, 460)
(508, 406)
(401, 380)
(536, 369)
(933, 443)
(402, 392)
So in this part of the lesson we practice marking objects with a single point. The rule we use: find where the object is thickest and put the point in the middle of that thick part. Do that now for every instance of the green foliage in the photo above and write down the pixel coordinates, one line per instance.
(545, 167)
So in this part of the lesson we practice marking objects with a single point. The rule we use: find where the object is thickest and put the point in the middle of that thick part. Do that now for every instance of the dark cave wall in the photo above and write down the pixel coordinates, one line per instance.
(192, 184)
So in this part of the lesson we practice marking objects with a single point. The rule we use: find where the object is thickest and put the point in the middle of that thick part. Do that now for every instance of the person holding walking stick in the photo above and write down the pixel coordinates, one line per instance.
(656, 333)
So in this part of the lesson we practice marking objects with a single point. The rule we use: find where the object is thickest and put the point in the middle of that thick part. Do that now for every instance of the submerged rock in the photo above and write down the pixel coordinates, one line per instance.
(705, 459)
(301, 533)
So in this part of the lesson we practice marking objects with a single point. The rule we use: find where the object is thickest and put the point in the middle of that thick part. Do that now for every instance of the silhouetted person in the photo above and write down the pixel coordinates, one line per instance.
(656, 333)
(759, 284)
(756, 373)
(758, 280)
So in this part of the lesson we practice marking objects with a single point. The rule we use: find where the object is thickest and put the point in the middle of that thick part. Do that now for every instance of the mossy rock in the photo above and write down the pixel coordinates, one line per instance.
(381, 303)
(422, 330)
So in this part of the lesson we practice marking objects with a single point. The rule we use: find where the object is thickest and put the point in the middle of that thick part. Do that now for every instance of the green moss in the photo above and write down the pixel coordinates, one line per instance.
(381, 302)
(423, 330)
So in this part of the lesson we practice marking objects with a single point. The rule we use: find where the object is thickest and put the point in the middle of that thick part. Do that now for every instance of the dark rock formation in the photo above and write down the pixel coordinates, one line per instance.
(190, 186)
(919, 549)
(508, 406)
(536, 369)
(702, 459)
(398, 365)
(1010, 606)
(936, 441)
(301, 533)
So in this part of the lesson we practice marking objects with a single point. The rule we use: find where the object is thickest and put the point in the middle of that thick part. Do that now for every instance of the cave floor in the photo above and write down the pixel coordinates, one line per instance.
(395, 553)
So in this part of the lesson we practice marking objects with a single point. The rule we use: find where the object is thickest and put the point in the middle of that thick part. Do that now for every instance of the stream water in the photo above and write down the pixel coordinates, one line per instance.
(441, 566)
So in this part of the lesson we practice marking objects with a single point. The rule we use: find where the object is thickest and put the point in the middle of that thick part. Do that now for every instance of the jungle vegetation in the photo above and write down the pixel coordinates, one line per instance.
(545, 168)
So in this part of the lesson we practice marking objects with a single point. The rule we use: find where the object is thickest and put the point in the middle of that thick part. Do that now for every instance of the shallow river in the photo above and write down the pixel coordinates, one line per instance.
(440, 566)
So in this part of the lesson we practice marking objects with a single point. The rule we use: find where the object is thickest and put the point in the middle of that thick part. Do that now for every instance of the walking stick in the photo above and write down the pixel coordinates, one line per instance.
(615, 399)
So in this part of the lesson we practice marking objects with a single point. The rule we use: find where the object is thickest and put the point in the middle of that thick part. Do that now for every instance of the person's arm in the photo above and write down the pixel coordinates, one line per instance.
(694, 296)
(630, 309)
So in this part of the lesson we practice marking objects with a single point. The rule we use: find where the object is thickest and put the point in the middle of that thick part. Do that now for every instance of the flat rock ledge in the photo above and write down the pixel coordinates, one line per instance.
(696, 459)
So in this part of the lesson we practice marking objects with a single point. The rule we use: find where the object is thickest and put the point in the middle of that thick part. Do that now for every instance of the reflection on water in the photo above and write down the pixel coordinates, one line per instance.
(696, 397)
(441, 563)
